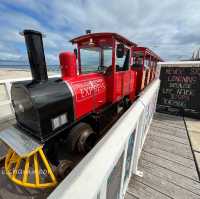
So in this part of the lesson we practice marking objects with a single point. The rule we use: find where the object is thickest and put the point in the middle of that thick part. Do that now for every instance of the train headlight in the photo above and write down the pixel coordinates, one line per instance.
(59, 121)
(21, 107)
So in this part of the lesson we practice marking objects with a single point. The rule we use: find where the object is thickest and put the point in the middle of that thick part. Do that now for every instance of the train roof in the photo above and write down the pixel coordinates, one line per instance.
(149, 51)
(103, 35)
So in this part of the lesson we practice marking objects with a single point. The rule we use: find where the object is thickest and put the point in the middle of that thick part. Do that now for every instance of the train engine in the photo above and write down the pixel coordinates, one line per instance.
(66, 115)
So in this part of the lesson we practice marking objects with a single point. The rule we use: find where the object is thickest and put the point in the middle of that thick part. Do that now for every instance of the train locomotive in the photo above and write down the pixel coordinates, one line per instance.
(102, 77)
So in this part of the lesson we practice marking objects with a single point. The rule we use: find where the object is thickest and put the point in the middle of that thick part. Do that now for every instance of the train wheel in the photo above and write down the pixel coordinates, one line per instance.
(64, 168)
(126, 102)
(81, 138)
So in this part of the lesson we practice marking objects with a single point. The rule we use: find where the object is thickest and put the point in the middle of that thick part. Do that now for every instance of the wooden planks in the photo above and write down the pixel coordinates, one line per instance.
(161, 134)
(165, 187)
(144, 191)
(170, 165)
(172, 148)
(179, 132)
(167, 162)
(170, 124)
(130, 196)
(170, 176)
(169, 156)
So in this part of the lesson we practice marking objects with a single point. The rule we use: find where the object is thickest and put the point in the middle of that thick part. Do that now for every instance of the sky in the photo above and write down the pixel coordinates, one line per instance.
(171, 28)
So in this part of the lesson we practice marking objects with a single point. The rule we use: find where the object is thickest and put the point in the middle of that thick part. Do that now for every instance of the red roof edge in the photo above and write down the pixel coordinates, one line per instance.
(103, 34)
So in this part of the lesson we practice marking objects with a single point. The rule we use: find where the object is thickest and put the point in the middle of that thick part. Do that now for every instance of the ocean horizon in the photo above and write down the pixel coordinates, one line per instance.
(23, 66)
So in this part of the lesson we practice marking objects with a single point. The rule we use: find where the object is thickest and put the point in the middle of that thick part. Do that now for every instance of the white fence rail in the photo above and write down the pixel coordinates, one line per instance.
(6, 109)
(106, 170)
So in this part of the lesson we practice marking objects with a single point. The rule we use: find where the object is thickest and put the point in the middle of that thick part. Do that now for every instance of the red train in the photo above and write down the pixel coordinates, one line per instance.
(102, 77)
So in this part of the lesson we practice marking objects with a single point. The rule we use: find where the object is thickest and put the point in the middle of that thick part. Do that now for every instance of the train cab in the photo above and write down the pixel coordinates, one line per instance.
(102, 71)
(145, 63)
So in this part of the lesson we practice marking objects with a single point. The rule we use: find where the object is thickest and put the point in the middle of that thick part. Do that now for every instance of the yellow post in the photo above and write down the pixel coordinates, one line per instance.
(25, 173)
(47, 166)
(16, 167)
(37, 178)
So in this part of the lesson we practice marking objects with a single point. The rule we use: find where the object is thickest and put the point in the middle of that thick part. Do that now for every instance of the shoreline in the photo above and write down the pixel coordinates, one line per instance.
(13, 73)
(15, 69)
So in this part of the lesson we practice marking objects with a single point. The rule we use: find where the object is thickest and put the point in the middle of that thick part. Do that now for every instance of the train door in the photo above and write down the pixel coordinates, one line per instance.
(152, 69)
(144, 72)
(149, 70)
(138, 65)
(122, 73)
(155, 68)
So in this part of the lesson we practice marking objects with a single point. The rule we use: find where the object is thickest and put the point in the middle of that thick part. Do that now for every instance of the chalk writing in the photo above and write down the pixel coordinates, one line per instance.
(180, 87)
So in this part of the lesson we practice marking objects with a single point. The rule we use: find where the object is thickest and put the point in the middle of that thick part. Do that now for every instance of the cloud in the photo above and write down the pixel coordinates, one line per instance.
(170, 28)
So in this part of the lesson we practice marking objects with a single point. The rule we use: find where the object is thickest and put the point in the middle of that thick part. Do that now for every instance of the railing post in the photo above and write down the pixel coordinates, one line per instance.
(8, 85)
(136, 153)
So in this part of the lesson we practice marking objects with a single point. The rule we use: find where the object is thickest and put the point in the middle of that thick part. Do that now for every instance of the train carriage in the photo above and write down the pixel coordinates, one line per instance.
(145, 63)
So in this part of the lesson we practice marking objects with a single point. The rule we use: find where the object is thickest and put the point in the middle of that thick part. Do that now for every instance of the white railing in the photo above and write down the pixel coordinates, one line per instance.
(106, 170)
(6, 109)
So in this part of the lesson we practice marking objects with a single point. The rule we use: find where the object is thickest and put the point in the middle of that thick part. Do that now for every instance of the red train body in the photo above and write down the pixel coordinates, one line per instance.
(102, 83)
(144, 63)
(107, 82)
(102, 77)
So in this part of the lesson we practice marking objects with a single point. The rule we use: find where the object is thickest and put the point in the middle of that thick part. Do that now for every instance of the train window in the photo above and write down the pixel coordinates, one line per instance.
(146, 63)
(107, 55)
(153, 63)
(122, 64)
(137, 60)
(90, 59)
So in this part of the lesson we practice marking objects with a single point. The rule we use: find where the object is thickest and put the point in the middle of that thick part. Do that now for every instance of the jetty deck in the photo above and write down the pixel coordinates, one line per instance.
(167, 163)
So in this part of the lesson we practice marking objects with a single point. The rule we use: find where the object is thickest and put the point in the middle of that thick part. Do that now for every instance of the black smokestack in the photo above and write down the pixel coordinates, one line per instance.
(36, 55)
(88, 31)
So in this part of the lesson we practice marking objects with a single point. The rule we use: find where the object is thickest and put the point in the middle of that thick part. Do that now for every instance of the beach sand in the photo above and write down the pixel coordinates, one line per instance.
(6, 73)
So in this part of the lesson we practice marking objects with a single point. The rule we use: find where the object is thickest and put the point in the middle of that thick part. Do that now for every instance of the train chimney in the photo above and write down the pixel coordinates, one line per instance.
(88, 31)
(36, 55)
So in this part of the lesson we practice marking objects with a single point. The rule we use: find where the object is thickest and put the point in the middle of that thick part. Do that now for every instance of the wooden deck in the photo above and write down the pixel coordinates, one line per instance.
(167, 163)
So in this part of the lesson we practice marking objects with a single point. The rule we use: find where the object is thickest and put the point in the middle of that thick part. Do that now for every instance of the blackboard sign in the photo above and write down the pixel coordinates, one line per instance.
(180, 90)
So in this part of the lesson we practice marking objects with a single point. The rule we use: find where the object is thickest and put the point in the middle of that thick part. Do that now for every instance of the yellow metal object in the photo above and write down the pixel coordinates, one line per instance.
(14, 161)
